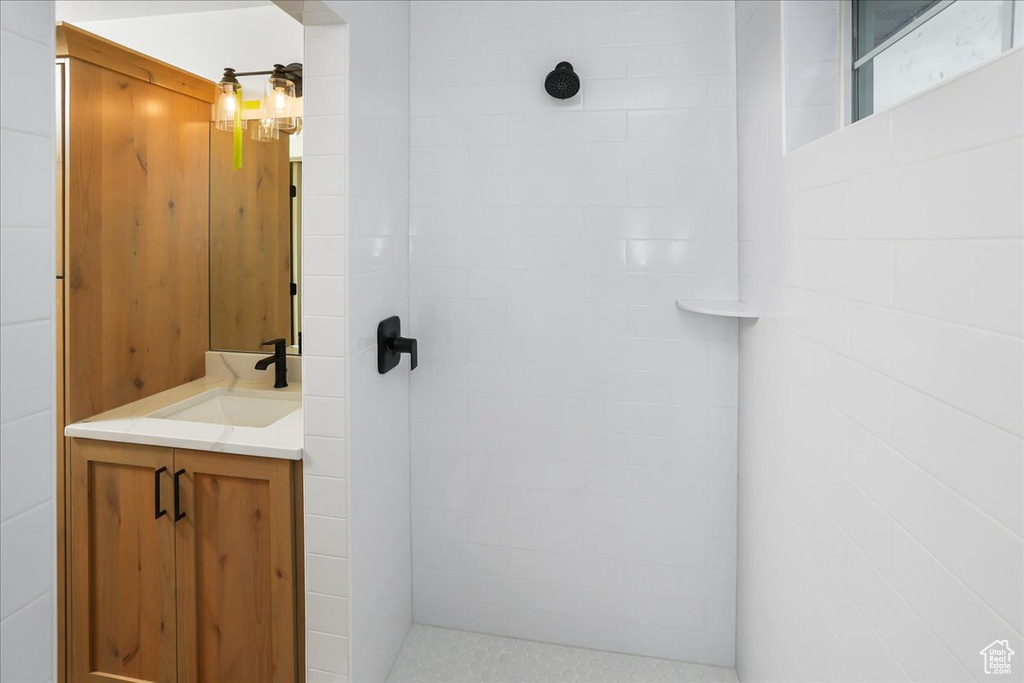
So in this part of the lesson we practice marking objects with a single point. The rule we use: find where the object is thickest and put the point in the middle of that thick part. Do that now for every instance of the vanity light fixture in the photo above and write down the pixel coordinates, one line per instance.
(278, 110)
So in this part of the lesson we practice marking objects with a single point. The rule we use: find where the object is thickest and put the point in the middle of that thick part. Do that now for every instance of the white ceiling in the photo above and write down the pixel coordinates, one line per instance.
(245, 38)
(93, 10)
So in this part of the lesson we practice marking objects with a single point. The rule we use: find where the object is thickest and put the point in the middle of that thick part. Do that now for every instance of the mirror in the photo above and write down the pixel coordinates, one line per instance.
(255, 243)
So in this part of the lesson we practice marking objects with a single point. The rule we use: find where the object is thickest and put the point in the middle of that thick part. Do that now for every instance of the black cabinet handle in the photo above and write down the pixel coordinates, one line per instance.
(158, 510)
(178, 514)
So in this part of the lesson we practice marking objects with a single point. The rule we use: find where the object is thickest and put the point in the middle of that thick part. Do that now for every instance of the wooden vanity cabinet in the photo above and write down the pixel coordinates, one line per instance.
(121, 564)
(235, 556)
(183, 565)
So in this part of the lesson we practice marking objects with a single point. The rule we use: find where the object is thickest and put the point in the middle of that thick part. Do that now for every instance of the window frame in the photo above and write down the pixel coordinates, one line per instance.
(861, 67)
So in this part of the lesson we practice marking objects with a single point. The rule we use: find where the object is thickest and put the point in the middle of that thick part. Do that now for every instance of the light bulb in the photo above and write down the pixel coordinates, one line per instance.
(278, 96)
(228, 105)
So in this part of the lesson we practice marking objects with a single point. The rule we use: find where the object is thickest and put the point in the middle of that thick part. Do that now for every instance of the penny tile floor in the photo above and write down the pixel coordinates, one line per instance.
(441, 655)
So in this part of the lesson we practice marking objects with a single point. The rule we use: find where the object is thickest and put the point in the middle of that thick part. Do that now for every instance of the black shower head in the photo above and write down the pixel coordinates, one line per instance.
(563, 82)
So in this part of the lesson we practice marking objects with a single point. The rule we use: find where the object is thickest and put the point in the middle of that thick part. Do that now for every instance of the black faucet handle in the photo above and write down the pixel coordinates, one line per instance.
(278, 345)
(405, 345)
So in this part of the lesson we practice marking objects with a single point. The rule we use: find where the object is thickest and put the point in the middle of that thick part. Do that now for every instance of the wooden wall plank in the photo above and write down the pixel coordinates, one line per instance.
(89, 47)
(250, 244)
(137, 243)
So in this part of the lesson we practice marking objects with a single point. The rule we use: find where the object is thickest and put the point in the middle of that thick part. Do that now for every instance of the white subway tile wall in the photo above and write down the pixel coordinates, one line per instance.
(325, 283)
(881, 399)
(27, 344)
(573, 433)
(377, 281)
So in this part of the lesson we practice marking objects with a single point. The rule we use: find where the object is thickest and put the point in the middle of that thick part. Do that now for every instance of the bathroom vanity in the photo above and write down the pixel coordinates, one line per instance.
(185, 531)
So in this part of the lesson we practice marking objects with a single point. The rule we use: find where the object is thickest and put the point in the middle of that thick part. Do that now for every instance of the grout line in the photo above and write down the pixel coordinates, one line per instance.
(897, 381)
(886, 579)
(25, 512)
(49, 45)
(836, 579)
(326, 595)
(25, 418)
(48, 593)
(932, 318)
(25, 323)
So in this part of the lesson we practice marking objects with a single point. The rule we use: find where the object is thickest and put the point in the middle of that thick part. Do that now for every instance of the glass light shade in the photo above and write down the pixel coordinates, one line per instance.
(265, 129)
(278, 102)
(227, 110)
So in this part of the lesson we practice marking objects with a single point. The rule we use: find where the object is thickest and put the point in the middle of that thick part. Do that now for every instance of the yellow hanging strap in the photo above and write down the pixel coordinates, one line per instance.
(237, 131)
(248, 104)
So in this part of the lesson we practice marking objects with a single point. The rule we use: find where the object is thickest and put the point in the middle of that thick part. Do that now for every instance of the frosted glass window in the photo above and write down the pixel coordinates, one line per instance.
(905, 46)
(813, 50)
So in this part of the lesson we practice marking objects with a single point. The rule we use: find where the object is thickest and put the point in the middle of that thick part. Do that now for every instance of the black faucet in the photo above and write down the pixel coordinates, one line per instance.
(280, 361)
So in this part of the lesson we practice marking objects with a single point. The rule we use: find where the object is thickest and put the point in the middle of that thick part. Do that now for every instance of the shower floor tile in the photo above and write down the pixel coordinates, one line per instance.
(441, 655)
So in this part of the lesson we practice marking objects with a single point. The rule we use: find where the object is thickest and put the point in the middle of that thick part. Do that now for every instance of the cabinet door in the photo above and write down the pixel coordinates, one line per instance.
(122, 563)
(235, 569)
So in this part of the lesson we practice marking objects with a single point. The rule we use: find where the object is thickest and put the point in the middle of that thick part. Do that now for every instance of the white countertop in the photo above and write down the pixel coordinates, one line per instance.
(131, 424)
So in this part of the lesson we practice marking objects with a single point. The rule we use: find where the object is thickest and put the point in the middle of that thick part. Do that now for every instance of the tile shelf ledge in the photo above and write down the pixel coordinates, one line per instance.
(725, 309)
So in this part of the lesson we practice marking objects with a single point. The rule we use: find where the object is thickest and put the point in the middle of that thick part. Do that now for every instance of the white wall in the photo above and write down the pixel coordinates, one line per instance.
(378, 287)
(27, 344)
(881, 399)
(573, 432)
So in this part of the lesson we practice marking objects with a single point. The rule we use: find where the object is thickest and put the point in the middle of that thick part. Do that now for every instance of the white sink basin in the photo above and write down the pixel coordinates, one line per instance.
(235, 407)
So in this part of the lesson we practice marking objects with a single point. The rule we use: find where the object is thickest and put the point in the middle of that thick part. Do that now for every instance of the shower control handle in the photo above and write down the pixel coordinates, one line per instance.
(391, 345)
(405, 345)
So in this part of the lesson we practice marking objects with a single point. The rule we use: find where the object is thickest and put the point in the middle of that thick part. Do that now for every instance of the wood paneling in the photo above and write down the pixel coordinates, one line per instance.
(89, 47)
(236, 569)
(59, 148)
(250, 243)
(300, 574)
(122, 568)
(137, 242)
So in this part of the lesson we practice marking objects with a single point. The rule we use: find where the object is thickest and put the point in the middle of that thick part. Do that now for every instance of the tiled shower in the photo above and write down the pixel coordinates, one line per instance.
(581, 481)
(573, 433)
